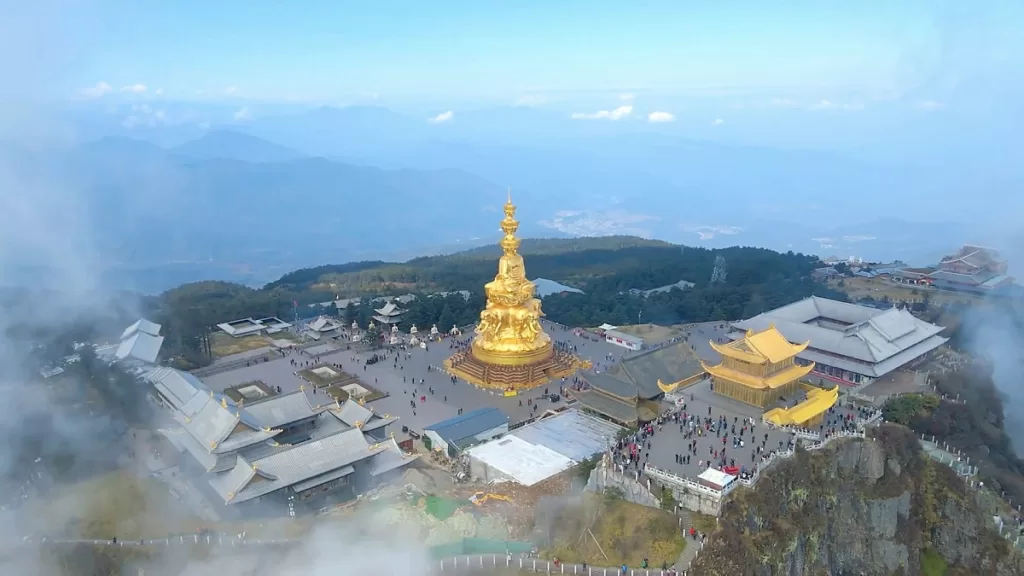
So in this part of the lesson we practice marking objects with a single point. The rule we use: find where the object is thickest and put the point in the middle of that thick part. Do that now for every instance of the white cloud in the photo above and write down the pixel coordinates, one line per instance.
(231, 89)
(661, 117)
(242, 113)
(717, 122)
(783, 103)
(930, 105)
(627, 97)
(158, 91)
(830, 105)
(617, 114)
(98, 90)
(134, 88)
(445, 116)
(203, 125)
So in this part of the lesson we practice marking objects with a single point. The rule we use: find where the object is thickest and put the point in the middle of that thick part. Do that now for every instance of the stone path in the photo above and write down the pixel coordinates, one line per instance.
(692, 546)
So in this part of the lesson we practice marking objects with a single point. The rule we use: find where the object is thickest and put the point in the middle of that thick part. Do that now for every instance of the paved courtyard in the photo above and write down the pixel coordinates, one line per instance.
(668, 441)
(700, 335)
(396, 374)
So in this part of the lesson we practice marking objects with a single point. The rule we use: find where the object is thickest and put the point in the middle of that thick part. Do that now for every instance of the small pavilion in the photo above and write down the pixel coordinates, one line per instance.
(389, 316)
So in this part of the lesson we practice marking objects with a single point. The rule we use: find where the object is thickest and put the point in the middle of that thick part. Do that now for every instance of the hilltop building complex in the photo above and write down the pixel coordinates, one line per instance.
(972, 269)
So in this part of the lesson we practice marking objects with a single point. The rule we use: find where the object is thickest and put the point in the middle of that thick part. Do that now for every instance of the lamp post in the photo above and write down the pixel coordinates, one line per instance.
(638, 315)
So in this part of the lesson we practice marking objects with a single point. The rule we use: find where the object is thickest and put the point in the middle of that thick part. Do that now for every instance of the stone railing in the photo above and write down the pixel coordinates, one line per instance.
(478, 561)
(802, 433)
(683, 483)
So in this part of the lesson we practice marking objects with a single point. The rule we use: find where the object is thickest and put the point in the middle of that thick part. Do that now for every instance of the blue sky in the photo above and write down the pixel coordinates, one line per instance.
(343, 52)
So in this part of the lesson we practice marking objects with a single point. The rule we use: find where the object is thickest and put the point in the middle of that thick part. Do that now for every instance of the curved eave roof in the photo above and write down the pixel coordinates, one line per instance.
(777, 380)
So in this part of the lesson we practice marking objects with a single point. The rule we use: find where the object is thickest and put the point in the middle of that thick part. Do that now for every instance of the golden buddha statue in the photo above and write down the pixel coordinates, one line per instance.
(509, 332)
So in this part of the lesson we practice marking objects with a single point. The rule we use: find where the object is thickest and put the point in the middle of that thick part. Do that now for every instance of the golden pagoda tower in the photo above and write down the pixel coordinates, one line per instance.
(759, 368)
(510, 350)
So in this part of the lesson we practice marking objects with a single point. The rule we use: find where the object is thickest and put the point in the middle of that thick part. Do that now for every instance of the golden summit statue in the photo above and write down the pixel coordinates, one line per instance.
(510, 350)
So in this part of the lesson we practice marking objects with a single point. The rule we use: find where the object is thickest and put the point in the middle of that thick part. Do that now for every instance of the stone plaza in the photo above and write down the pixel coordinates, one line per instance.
(417, 389)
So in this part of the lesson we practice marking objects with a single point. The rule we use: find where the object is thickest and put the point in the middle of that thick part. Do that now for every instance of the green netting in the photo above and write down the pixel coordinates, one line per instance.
(479, 546)
(442, 508)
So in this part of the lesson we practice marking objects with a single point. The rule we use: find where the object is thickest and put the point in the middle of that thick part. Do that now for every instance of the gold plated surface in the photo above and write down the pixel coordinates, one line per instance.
(509, 330)
(510, 349)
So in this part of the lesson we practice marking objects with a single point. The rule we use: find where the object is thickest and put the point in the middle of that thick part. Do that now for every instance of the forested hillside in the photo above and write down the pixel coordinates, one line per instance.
(606, 269)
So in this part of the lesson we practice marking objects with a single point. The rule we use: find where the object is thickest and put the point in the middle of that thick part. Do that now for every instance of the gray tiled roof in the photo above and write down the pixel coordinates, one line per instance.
(351, 412)
(141, 325)
(323, 478)
(668, 364)
(603, 404)
(611, 384)
(294, 465)
(277, 411)
(176, 386)
(213, 424)
(140, 346)
(390, 459)
(209, 461)
(871, 335)
(638, 375)
(879, 369)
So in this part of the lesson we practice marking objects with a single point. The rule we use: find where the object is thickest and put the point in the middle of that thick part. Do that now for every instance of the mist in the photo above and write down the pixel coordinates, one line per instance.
(47, 228)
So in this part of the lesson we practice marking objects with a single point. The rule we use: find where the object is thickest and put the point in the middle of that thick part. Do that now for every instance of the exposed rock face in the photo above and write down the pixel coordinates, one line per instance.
(868, 507)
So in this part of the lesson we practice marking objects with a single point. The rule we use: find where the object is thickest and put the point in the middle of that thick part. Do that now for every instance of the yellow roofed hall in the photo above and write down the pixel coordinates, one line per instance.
(759, 368)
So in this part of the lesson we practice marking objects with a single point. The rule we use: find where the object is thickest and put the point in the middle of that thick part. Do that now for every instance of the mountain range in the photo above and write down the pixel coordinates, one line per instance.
(248, 198)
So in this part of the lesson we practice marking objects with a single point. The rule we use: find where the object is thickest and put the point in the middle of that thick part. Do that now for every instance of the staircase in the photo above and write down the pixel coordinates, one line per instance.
(692, 546)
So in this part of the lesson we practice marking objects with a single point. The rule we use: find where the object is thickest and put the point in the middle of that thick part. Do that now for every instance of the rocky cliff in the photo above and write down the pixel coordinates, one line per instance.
(876, 506)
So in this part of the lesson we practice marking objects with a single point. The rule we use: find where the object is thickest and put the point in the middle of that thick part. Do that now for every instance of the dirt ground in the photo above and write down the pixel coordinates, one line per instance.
(651, 333)
(224, 345)
(877, 288)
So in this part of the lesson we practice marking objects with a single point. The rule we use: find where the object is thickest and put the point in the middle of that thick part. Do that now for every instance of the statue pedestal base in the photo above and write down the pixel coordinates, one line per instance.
(534, 371)
(514, 358)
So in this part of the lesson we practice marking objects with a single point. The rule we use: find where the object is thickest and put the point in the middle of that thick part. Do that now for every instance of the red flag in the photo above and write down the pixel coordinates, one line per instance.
(295, 303)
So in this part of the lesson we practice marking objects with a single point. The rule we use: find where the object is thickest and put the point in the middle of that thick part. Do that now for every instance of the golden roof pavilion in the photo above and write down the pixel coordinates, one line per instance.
(759, 368)
(510, 350)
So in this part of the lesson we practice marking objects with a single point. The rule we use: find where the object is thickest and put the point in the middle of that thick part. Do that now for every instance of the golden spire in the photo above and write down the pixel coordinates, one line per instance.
(509, 225)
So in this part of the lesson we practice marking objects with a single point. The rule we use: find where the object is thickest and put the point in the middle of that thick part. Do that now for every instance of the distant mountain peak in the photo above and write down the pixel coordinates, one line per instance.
(234, 145)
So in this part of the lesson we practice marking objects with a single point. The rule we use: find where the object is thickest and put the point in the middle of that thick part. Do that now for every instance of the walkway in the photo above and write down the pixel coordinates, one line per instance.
(692, 546)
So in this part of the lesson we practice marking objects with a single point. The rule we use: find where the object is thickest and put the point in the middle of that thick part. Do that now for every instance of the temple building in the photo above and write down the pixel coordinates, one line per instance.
(390, 315)
(973, 269)
(849, 343)
(510, 350)
(630, 392)
(759, 368)
(286, 450)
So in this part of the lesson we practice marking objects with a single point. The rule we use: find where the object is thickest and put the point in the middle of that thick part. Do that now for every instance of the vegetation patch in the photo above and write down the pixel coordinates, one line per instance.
(932, 563)
(608, 531)
(222, 344)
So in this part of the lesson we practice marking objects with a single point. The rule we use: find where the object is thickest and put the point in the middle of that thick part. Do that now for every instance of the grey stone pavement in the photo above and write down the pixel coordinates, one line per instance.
(412, 363)
(668, 441)
(700, 335)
